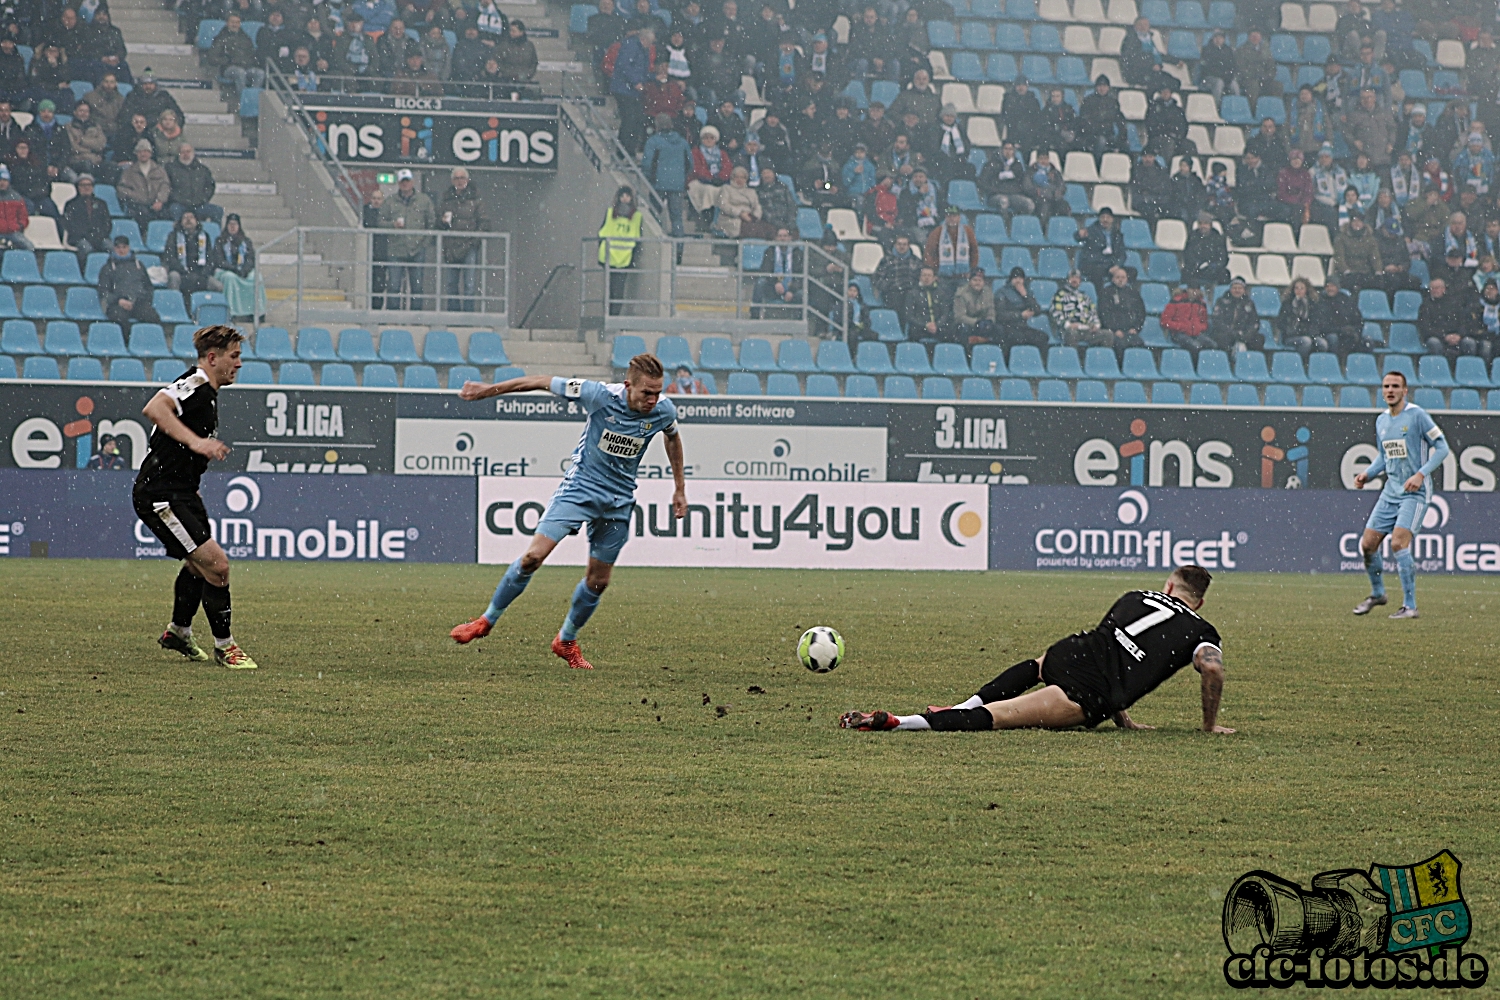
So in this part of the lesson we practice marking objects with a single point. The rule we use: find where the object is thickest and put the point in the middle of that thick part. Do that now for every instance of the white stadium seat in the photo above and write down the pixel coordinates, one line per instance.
(1322, 18)
(865, 257)
(1271, 269)
(1310, 268)
(1293, 17)
(1239, 265)
(1109, 68)
(841, 29)
(1171, 234)
(1181, 72)
(1054, 10)
(1079, 40)
(991, 99)
(1202, 109)
(752, 93)
(1229, 140)
(1114, 168)
(1110, 40)
(982, 132)
(1052, 155)
(1198, 136)
(1122, 12)
(1450, 54)
(42, 232)
(1314, 240)
(1111, 197)
(62, 193)
(845, 225)
(939, 63)
(1080, 168)
(1278, 238)
(1089, 12)
(757, 115)
(1228, 165)
(1133, 105)
(959, 95)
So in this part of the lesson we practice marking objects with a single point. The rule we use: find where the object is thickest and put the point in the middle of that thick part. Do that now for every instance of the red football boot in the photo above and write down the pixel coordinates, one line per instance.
(873, 722)
(568, 650)
(469, 631)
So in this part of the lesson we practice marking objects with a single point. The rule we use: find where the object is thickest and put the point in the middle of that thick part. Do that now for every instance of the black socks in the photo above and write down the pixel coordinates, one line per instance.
(216, 607)
(1012, 684)
(961, 719)
(187, 594)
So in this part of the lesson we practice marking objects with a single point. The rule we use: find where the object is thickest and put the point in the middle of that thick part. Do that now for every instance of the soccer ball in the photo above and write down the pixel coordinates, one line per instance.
(820, 649)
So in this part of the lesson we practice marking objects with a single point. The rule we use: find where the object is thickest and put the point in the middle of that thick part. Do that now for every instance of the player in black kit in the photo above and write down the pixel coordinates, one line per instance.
(186, 415)
(1092, 676)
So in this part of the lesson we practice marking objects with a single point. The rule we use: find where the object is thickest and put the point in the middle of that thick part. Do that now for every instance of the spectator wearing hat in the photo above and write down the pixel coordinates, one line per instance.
(1413, 132)
(1151, 188)
(711, 169)
(1453, 254)
(1294, 192)
(12, 70)
(1236, 322)
(1075, 318)
(125, 290)
(517, 54)
(1474, 166)
(189, 258)
(686, 383)
(859, 174)
(1220, 203)
(86, 223)
(354, 53)
(1185, 320)
(973, 311)
(193, 185)
(667, 163)
(1216, 65)
(408, 209)
(877, 131)
(842, 130)
(1122, 313)
(1101, 123)
(1015, 307)
(920, 207)
(1329, 181)
(1102, 248)
(1205, 260)
(1166, 126)
(49, 141)
(1188, 196)
(1404, 179)
(13, 215)
(144, 189)
(898, 270)
(952, 249)
(753, 157)
(951, 157)
(50, 76)
(28, 178)
(1022, 113)
(149, 99)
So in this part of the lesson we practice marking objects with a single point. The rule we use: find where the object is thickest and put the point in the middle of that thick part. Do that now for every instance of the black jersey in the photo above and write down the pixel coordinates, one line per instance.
(1145, 638)
(170, 465)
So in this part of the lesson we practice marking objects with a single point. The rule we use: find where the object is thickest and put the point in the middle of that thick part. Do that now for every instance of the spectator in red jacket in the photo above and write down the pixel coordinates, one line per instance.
(13, 215)
(1185, 320)
(1294, 191)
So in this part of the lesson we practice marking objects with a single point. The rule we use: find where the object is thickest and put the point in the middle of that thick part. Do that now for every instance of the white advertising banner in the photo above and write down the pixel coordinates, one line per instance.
(762, 524)
(815, 454)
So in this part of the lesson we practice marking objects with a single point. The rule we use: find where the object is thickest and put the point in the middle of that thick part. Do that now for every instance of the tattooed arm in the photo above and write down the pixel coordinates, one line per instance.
(1209, 661)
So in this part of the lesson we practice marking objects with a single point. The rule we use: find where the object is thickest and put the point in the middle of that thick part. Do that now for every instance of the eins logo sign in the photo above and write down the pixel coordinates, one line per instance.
(1097, 461)
(39, 443)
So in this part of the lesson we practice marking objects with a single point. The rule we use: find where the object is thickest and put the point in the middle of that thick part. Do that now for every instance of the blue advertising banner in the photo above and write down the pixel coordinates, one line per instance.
(1293, 531)
(88, 514)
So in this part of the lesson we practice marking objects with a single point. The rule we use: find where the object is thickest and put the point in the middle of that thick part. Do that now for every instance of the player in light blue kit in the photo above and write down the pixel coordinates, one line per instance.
(1402, 434)
(598, 489)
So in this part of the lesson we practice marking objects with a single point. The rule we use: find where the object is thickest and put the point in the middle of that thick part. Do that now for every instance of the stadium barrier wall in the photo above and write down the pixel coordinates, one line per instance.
(407, 432)
(1067, 528)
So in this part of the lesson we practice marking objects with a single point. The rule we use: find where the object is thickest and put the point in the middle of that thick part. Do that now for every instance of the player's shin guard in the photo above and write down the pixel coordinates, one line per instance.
(1407, 567)
(1374, 567)
(216, 608)
(511, 586)
(961, 719)
(1012, 684)
(585, 600)
(187, 594)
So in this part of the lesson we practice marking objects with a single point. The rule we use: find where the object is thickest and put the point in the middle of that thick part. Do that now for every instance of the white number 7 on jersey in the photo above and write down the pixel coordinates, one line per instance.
(1141, 624)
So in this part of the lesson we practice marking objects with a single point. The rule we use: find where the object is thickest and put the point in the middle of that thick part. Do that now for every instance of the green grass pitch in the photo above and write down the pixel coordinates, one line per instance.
(378, 813)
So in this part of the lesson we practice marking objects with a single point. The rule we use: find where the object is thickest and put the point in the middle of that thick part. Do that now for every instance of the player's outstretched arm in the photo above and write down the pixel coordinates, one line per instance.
(673, 444)
(1124, 721)
(162, 411)
(484, 390)
(1209, 661)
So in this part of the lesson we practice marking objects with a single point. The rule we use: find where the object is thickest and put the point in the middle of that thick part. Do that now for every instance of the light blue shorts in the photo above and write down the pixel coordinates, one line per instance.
(609, 526)
(1405, 511)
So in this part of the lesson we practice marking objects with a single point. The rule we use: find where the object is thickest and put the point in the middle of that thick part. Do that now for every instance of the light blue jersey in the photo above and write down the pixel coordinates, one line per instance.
(603, 468)
(1409, 442)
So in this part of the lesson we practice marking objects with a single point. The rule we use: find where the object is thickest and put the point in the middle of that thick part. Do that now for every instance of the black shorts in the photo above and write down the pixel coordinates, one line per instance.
(1074, 666)
(177, 518)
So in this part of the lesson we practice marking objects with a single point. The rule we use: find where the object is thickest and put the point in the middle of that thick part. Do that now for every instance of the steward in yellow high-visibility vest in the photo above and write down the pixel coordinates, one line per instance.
(621, 229)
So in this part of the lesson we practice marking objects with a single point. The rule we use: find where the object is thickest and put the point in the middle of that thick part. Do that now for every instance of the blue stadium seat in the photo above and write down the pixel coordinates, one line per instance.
(457, 375)
(990, 10)
(1213, 366)
(1158, 12)
(1139, 364)
(19, 268)
(1406, 306)
(165, 369)
(1091, 391)
(1026, 362)
(1077, 199)
(40, 302)
(1404, 339)
(1284, 49)
(1021, 10)
(440, 347)
(1355, 397)
(1373, 305)
(822, 386)
(107, 341)
(942, 35)
(990, 229)
(1286, 367)
(1400, 363)
(85, 370)
(379, 376)
(485, 348)
(134, 370)
(273, 343)
(8, 367)
(82, 304)
(1250, 366)
(1130, 392)
(743, 384)
(1316, 50)
(967, 67)
(965, 195)
(755, 355)
(1177, 364)
(988, 360)
(855, 91)
(508, 372)
(884, 91)
(415, 377)
(1137, 234)
(1281, 395)
(874, 359)
(357, 345)
(1037, 69)
(1235, 110)
(1010, 38)
(782, 384)
(128, 228)
(1240, 394)
(1053, 265)
(1493, 403)
(976, 389)
(1045, 38)
(987, 262)
(1182, 45)
(1026, 231)
(1190, 15)
(1432, 370)
(1360, 369)
(157, 231)
(1414, 82)
(1463, 399)
(1013, 257)
(1271, 107)
(169, 306)
(714, 354)
(948, 359)
(315, 344)
(1169, 393)
(672, 352)
(795, 355)
(578, 20)
(1267, 301)
(1071, 73)
(61, 268)
(62, 338)
(1155, 296)
(1017, 390)
(1429, 399)
(295, 373)
(938, 387)
(1205, 394)
(1163, 267)
(911, 359)
(886, 325)
(338, 374)
(1043, 290)
(861, 387)
(398, 347)
(1469, 371)
(148, 340)
(1101, 363)
(833, 357)
(1317, 395)
(976, 35)
(809, 225)
(1323, 369)
(1062, 362)
(251, 373)
(1051, 390)
(1000, 67)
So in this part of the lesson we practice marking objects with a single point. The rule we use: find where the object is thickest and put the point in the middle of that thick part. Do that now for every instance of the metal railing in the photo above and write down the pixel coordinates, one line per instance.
(473, 90)
(579, 93)
(291, 98)
(726, 291)
(453, 278)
